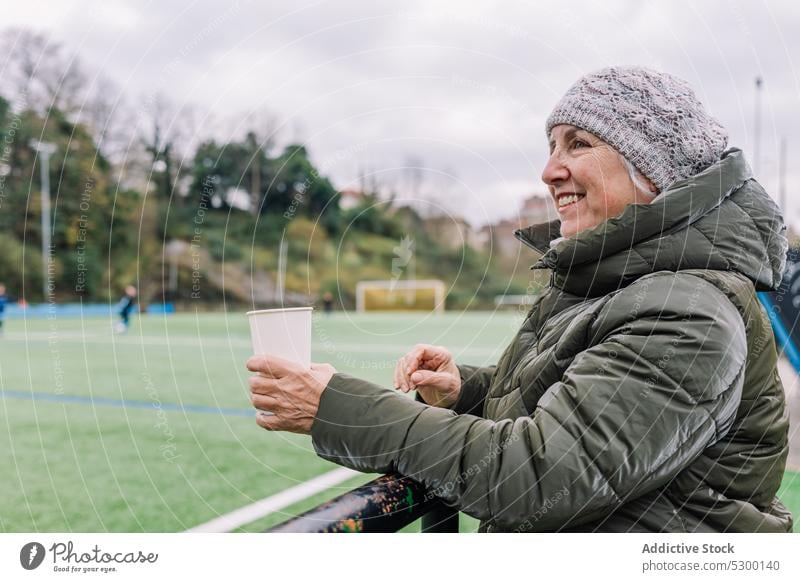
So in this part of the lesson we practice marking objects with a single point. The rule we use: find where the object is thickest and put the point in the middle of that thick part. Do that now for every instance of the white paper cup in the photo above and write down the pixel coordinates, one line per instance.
(285, 333)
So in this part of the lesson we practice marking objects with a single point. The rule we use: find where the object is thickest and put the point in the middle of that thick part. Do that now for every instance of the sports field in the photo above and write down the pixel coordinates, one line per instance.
(152, 431)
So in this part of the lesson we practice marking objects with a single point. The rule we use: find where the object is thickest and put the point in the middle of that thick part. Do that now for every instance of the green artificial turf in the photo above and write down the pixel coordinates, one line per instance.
(789, 493)
(184, 448)
(166, 461)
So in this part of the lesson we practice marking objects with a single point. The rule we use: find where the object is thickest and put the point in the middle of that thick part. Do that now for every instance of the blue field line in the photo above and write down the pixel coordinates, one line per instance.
(99, 401)
(782, 334)
(74, 310)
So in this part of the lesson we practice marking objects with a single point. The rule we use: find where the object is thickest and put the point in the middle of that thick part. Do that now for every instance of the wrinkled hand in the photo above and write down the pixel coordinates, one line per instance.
(432, 371)
(287, 390)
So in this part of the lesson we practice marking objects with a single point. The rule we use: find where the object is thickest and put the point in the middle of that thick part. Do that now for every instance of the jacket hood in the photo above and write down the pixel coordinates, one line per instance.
(719, 219)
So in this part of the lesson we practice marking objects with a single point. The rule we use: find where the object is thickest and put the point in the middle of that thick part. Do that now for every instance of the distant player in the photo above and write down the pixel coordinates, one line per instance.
(3, 300)
(125, 306)
(327, 302)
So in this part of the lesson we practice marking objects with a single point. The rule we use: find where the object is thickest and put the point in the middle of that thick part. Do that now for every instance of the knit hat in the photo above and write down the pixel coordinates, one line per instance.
(653, 119)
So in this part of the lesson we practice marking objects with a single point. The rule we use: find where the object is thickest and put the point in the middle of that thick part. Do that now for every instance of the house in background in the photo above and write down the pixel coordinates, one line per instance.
(499, 237)
(537, 208)
(450, 231)
(350, 199)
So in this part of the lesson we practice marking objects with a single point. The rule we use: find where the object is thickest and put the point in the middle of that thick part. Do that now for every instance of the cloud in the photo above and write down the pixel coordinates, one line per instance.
(463, 86)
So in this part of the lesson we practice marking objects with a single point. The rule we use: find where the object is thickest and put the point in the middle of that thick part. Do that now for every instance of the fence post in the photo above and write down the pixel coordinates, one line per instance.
(440, 519)
(387, 504)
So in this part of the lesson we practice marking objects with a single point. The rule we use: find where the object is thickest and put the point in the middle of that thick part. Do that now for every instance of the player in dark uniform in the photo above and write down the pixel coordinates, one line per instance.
(327, 302)
(125, 307)
(4, 299)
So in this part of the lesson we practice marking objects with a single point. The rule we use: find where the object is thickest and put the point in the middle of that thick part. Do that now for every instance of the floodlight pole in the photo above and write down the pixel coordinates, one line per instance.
(45, 150)
(782, 178)
(757, 130)
(282, 252)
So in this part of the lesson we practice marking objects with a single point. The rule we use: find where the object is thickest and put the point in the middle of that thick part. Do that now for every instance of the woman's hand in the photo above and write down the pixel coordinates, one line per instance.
(432, 372)
(287, 390)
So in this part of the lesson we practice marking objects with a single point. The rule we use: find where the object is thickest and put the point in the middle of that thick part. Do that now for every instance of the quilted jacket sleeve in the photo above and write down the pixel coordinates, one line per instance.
(475, 382)
(659, 381)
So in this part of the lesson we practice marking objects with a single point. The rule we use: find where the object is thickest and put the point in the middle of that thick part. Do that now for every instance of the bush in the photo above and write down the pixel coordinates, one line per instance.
(221, 249)
(13, 259)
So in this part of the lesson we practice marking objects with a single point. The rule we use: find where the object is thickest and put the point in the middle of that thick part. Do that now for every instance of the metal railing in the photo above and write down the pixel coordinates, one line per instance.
(387, 504)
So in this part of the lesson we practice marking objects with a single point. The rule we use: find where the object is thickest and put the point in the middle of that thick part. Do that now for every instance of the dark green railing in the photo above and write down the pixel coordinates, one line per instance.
(387, 504)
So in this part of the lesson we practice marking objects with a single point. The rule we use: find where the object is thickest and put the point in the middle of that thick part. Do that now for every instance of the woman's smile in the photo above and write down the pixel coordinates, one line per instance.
(569, 202)
(587, 179)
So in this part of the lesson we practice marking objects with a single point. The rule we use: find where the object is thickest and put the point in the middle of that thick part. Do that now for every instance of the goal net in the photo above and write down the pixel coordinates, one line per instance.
(406, 295)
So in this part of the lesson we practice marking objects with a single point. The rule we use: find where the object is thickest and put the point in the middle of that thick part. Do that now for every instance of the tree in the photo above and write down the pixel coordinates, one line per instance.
(39, 74)
(166, 138)
(259, 141)
(83, 214)
(109, 119)
(375, 216)
(299, 187)
(213, 172)
(218, 169)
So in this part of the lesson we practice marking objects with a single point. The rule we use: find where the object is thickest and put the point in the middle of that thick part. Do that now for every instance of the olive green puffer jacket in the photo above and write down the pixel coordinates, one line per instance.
(640, 394)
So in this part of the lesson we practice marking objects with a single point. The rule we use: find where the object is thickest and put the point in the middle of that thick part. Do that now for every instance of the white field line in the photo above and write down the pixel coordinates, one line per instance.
(236, 342)
(791, 383)
(250, 513)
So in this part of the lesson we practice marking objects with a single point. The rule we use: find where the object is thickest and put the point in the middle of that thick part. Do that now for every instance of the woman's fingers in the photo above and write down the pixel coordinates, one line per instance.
(422, 356)
(409, 364)
(400, 374)
(273, 366)
(262, 385)
(265, 403)
(286, 394)
(268, 421)
(396, 378)
(431, 379)
(413, 361)
(264, 393)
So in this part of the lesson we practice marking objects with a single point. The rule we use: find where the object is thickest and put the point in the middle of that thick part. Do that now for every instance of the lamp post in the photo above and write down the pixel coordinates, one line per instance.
(782, 178)
(757, 130)
(45, 150)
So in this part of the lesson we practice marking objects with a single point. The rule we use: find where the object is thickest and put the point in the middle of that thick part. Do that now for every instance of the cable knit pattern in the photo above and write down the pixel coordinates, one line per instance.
(654, 119)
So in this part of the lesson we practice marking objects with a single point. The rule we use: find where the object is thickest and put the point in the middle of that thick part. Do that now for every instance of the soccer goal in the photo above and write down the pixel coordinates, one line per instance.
(406, 295)
(513, 301)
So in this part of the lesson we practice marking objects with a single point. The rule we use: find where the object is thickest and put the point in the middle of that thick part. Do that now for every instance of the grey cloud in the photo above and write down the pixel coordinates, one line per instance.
(460, 85)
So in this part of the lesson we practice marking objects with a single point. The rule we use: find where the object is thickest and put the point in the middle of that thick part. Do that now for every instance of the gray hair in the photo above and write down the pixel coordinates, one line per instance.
(637, 177)
(653, 117)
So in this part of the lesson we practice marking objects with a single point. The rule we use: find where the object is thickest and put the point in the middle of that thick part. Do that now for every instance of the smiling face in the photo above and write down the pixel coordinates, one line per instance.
(588, 180)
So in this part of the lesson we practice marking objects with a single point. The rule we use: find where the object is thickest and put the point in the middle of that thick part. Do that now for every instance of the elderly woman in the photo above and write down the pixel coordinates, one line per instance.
(641, 392)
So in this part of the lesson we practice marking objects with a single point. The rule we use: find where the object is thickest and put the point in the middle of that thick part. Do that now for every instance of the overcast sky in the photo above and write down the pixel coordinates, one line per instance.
(461, 88)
